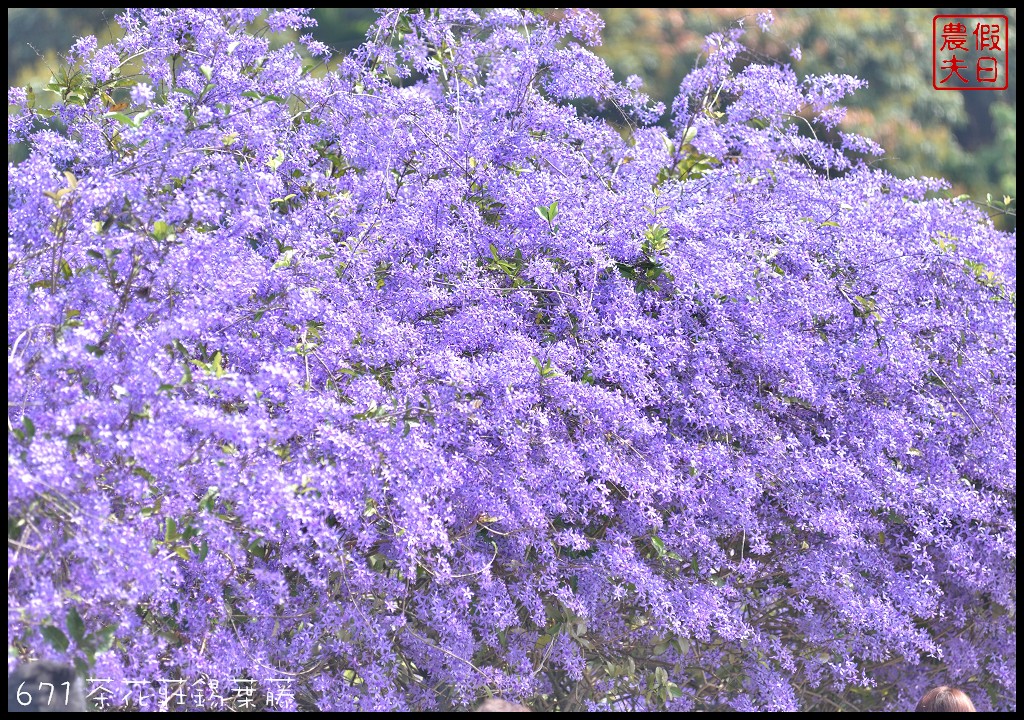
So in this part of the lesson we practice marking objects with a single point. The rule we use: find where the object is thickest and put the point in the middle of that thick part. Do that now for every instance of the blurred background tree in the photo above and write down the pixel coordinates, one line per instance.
(969, 138)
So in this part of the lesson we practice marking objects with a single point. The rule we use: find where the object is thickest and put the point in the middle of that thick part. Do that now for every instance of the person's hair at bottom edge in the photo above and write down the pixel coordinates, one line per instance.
(499, 705)
(945, 699)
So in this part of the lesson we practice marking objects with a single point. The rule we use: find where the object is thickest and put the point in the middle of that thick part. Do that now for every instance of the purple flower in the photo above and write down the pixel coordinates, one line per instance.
(315, 47)
(142, 94)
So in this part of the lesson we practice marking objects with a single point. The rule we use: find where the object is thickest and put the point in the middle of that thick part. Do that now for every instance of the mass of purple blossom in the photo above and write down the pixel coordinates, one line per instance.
(444, 371)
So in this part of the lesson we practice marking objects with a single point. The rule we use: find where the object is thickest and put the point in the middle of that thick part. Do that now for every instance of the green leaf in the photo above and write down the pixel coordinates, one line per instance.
(204, 550)
(660, 676)
(285, 260)
(207, 71)
(170, 530)
(75, 625)
(161, 230)
(217, 364)
(120, 117)
(29, 427)
(659, 545)
(257, 549)
(55, 637)
(683, 645)
(275, 162)
(209, 499)
(103, 639)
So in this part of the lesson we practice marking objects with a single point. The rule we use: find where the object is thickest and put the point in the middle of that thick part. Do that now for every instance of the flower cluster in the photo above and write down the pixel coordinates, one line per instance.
(417, 379)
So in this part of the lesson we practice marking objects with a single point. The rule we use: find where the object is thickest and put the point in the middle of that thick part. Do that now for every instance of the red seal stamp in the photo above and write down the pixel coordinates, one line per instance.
(970, 52)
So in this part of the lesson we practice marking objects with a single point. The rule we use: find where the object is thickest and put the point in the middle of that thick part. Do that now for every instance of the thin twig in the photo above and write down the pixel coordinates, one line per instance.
(446, 652)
